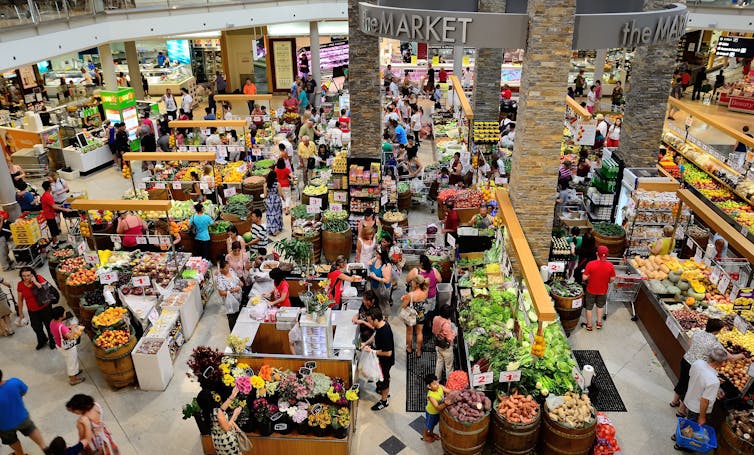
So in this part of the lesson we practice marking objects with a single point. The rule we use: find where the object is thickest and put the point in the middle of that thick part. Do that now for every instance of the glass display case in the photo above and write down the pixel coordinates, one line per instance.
(160, 79)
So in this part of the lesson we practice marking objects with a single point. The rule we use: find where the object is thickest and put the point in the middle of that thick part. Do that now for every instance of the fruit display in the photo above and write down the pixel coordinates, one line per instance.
(234, 172)
(486, 132)
(733, 338)
(736, 371)
(150, 346)
(126, 171)
(466, 199)
(339, 165)
(518, 409)
(183, 210)
(111, 339)
(71, 265)
(393, 217)
(220, 227)
(63, 253)
(690, 319)
(109, 317)
(740, 424)
(81, 277)
(575, 412)
(311, 190)
(85, 230)
(94, 298)
(657, 267)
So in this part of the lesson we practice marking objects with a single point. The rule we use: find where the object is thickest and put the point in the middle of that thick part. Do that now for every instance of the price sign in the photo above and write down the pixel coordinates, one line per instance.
(714, 276)
(674, 329)
(336, 208)
(141, 281)
(182, 148)
(81, 248)
(383, 199)
(740, 324)
(91, 258)
(256, 152)
(723, 284)
(510, 376)
(228, 192)
(202, 148)
(159, 186)
(204, 186)
(707, 262)
(555, 267)
(153, 316)
(577, 303)
(317, 202)
(312, 209)
(698, 256)
(311, 364)
(141, 240)
(690, 243)
(451, 240)
(242, 168)
(340, 196)
(482, 379)
(501, 180)
(317, 408)
(733, 293)
(115, 238)
(689, 121)
(577, 376)
(153, 240)
(141, 186)
(108, 278)
(165, 239)
(303, 371)
(280, 426)
(176, 185)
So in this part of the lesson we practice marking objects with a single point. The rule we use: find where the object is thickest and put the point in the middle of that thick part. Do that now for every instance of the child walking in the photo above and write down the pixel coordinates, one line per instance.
(435, 405)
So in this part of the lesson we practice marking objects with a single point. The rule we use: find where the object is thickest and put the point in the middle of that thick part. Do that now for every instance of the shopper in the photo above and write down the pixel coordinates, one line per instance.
(303, 101)
(130, 226)
(702, 344)
(400, 132)
(704, 385)
(6, 326)
(719, 82)
(564, 173)
(579, 84)
(379, 273)
(583, 167)
(40, 314)
(14, 417)
(250, 88)
(259, 237)
(740, 146)
(171, 107)
(58, 446)
(220, 84)
(208, 179)
(281, 295)
(121, 143)
(666, 244)
(368, 301)
(598, 274)
(230, 288)
(28, 201)
(435, 405)
(451, 221)
(574, 242)
(481, 220)
(699, 80)
(586, 253)
(224, 436)
(146, 136)
(591, 99)
(416, 299)
(91, 425)
(65, 340)
(431, 275)
(597, 95)
(336, 279)
(50, 212)
(60, 191)
(240, 262)
(273, 201)
(616, 97)
(444, 336)
(202, 222)
(613, 134)
(676, 91)
(307, 150)
(430, 80)
(384, 346)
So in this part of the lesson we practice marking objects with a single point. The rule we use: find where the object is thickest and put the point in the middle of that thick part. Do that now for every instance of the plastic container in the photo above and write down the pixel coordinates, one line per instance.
(692, 444)
(444, 293)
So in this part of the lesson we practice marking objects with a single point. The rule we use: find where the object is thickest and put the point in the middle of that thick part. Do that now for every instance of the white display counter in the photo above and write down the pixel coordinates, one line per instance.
(89, 161)
(154, 370)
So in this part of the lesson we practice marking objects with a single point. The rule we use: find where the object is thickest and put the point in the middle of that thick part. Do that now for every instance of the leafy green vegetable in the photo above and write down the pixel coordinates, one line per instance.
(609, 229)
(220, 227)
(236, 208)
(336, 225)
(299, 211)
(239, 199)
(564, 289)
(330, 215)
(266, 163)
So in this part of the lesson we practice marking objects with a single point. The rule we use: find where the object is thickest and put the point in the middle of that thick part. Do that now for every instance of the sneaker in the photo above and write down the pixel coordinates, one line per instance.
(380, 405)
(40, 346)
(76, 381)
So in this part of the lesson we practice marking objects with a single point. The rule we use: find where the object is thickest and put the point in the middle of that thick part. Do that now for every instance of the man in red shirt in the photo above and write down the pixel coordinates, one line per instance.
(49, 211)
(506, 92)
(344, 121)
(598, 274)
(451, 221)
(443, 76)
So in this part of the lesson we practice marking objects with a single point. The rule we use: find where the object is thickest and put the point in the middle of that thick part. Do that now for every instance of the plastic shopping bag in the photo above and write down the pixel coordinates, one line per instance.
(369, 367)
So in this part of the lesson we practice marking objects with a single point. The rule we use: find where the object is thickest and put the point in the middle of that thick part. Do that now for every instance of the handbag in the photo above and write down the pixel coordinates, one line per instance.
(408, 314)
(46, 295)
(65, 343)
(193, 231)
(243, 441)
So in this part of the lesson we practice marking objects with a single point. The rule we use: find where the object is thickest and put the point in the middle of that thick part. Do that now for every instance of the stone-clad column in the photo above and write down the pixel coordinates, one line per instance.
(649, 82)
(539, 126)
(486, 96)
(364, 87)
(134, 70)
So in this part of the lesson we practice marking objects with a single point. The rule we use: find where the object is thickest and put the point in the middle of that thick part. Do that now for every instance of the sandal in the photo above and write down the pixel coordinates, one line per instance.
(674, 404)
(409, 351)
(678, 414)
(599, 325)
(588, 327)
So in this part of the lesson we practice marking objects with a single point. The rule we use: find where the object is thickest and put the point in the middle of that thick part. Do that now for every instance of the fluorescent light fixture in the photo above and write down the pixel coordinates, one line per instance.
(215, 34)
(302, 28)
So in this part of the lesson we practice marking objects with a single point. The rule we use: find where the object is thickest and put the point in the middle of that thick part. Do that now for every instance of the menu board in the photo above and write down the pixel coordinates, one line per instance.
(735, 46)
(283, 64)
(28, 78)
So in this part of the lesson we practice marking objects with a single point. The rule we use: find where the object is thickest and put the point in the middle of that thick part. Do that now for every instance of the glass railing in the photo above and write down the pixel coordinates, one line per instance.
(722, 3)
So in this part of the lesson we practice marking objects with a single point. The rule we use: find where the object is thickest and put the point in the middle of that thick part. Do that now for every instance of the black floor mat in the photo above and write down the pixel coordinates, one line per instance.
(602, 392)
(416, 369)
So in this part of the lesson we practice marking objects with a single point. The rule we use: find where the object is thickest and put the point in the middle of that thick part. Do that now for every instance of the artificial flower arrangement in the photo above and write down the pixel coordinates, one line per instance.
(236, 343)
(319, 301)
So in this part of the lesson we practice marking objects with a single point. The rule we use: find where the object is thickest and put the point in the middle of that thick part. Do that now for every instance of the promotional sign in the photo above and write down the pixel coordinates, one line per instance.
(735, 46)
(178, 50)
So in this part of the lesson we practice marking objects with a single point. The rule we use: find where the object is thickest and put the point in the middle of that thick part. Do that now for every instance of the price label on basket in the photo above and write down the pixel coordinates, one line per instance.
(141, 281)
(312, 209)
(577, 303)
(740, 324)
(714, 276)
(577, 376)
(707, 262)
(141, 186)
(159, 186)
(336, 207)
(674, 329)
(202, 148)
(482, 379)
(182, 148)
(733, 293)
(698, 256)
(108, 278)
(228, 192)
(165, 239)
(303, 371)
(510, 376)
(555, 267)
(91, 258)
(315, 201)
(690, 243)
(81, 248)
(256, 152)
(176, 185)
(723, 284)
(141, 240)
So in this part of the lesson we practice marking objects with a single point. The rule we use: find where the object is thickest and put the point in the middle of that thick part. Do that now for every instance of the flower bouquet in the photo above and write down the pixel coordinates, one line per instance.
(341, 421)
(236, 343)
(317, 302)
(263, 410)
(337, 392)
(293, 388)
(320, 419)
(204, 364)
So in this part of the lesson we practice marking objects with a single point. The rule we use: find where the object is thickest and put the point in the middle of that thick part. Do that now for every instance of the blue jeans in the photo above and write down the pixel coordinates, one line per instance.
(430, 421)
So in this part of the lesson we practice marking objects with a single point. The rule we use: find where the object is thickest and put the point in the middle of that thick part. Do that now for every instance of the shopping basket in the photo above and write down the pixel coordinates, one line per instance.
(694, 444)
(625, 286)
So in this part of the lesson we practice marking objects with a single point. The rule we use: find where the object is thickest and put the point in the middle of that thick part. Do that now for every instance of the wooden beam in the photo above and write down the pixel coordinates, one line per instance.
(539, 296)
(169, 156)
(207, 123)
(661, 187)
(242, 97)
(735, 239)
(713, 122)
(580, 111)
(117, 204)
(465, 105)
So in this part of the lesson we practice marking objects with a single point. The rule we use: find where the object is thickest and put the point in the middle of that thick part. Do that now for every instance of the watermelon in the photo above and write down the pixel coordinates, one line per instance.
(247, 237)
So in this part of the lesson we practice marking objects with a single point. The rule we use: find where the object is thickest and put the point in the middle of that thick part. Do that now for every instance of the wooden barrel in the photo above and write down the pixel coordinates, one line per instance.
(336, 243)
(256, 190)
(179, 194)
(242, 225)
(615, 245)
(387, 226)
(316, 241)
(187, 242)
(730, 444)
(156, 195)
(555, 439)
(75, 293)
(404, 200)
(101, 242)
(461, 438)
(512, 439)
(117, 367)
(86, 314)
(569, 316)
(218, 245)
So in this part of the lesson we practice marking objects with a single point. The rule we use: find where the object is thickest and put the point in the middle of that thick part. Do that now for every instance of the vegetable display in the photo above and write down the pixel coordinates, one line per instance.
(457, 380)
(564, 289)
(393, 217)
(576, 411)
(238, 209)
(336, 225)
(311, 190)
(740, 424)
(299, 211)
(403, 187)
(239, 199)
(609, 229)
(467, 406)
(518, 409)
(468, 199)
(265, 164)
(736, 371)
(220, 227)
(330, 215)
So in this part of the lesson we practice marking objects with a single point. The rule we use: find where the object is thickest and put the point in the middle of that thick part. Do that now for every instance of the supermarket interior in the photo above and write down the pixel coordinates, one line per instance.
(376, 227)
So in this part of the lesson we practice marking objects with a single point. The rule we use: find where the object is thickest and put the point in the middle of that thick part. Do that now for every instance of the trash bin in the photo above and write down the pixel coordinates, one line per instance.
(444, 293)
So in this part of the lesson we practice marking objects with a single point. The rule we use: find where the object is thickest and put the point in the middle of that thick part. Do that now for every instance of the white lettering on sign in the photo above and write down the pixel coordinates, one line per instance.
(510, 376)
(414, 27)
(668, 29)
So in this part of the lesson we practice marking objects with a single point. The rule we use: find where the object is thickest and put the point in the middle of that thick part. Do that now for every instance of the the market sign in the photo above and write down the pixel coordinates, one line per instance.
(508, 30)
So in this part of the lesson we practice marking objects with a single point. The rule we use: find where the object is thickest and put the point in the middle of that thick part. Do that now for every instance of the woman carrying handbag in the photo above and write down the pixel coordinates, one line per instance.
(414, 310)
(380, 272)
(225, 432)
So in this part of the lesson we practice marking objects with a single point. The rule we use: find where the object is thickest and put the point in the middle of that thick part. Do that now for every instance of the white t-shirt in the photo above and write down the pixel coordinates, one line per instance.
(288, 146)
(394, 89)
(416, 122)
(590, 98)
(703, 383)
(602, 128)
(169, 103)
(336, 137)
(186, 101)
(614, 133)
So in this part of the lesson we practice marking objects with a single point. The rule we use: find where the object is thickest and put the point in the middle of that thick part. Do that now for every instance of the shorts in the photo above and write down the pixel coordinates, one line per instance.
(591, 299)
(52, 224)
(385, 366)
(431, 420)
(9, 437)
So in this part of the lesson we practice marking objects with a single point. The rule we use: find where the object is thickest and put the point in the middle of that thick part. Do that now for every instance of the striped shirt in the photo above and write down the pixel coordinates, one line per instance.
(259, 231)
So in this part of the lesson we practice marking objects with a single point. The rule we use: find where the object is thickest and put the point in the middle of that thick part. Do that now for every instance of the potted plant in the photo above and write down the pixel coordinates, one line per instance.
(299, 252)
(204, 364)
(263, 411)
(341, 421)
(293, 389)
(298, 415)
(320, 419)
(194, 410)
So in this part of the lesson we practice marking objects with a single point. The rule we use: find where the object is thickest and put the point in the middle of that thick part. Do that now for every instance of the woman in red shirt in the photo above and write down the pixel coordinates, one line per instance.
(284, 180)
(451, 220)
(337, 277)
(39, 316)
(280, 296)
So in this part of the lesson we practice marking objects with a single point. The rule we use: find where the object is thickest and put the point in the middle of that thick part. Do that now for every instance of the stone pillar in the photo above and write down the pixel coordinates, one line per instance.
(134, 71)
(457, 61)
(649, 83)
(364, 87)
(486, 97)
(108, 67)
(314, 62)
(539, 126)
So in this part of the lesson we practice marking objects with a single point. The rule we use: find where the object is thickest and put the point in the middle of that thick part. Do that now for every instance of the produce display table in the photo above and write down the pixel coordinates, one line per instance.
(89, 161)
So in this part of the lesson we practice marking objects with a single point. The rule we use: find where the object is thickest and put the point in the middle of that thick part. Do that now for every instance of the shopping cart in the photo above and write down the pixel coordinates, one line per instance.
(415, 241)
(625, 287)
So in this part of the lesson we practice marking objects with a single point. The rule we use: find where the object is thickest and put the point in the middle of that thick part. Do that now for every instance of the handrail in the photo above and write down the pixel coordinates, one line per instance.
(712, 121)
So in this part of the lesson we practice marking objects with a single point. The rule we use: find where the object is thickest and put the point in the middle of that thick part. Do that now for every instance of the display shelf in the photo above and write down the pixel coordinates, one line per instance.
(89, 161)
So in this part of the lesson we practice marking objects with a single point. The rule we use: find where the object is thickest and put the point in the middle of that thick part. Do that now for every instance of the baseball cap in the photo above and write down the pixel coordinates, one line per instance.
(602, 251)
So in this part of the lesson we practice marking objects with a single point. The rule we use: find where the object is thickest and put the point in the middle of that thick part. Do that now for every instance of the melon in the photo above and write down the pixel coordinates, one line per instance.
(247, 237)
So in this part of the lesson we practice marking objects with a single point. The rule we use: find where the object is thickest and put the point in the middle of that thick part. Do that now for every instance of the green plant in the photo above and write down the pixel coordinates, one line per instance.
(191, 409)
(298, 251)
